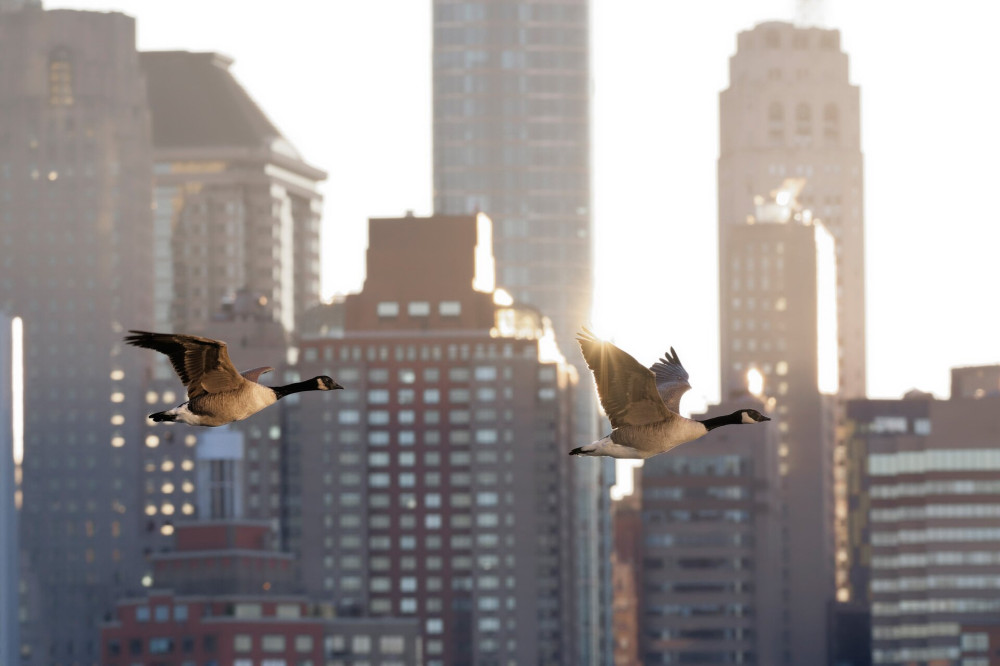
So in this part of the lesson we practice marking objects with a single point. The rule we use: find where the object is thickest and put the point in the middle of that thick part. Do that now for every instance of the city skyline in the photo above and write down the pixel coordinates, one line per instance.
(654, 159)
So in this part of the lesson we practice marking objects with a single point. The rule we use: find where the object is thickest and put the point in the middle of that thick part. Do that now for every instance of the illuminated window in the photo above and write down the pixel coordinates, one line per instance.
(60, 79)
(387, 309)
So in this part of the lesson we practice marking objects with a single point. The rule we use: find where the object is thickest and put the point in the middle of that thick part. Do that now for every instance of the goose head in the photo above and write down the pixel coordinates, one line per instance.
(751, 416)
(324, 383)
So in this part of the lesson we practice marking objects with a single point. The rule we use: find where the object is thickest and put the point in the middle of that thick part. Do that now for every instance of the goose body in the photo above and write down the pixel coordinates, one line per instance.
(643, 404)
(217, 393)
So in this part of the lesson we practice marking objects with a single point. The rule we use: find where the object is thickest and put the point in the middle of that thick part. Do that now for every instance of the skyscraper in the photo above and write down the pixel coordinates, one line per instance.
(439, 486)
(11, 443)
(791, 112)
(511, 114)
(75, 229)
(778, 310)
(237, 209)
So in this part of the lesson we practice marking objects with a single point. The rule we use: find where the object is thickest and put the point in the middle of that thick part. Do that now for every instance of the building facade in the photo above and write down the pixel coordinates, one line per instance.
(511, 138)
(237, 208)
(438, 486)
(711, 554)
(925, 526)
(225, 596)
(791, 112)
(779, 319)
(75, 229)
(11, 455)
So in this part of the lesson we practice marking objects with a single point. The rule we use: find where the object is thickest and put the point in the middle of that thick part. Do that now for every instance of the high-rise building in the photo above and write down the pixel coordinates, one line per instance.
(711, 560)
(791, 112)
(778, 312)
(438, 485)
(237, 208)
(75, 250)
(511, 138)
(924, 554)
(11, 452)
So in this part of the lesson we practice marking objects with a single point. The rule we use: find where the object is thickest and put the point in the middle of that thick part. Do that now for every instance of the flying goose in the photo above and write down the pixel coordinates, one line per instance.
(217, 393)
(643, 404)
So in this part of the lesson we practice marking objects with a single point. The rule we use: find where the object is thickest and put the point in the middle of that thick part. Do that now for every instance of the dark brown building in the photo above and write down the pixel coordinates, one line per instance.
(436, 485)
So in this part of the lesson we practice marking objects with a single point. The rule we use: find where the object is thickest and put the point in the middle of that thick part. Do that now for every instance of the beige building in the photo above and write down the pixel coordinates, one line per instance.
(237, 208)
(791, 112)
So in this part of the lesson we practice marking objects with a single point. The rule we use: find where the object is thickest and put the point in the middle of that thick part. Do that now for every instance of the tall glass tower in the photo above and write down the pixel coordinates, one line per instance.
(512, 139)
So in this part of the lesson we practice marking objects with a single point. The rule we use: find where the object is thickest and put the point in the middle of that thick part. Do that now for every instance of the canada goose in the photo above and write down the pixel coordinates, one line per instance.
(217, 393)
(643, 404)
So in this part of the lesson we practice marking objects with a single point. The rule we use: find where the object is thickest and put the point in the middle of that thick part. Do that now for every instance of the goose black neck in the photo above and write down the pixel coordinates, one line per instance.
(297, 387)
(716, 421)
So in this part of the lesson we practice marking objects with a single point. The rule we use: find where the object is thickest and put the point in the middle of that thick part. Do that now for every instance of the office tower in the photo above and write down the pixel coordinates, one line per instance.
(711, 549)
(11, 443)
(791, 112)
(237, 209)
(778, 313)
(76, 242)
(512, 139)
(975, 382)
(227, 596)
(511, 115)
(438, 485)
(925, 525)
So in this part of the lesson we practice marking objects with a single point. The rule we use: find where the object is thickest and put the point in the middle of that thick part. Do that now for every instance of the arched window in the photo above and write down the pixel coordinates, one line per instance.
(803, 113)
(776, 112)
(60, 78)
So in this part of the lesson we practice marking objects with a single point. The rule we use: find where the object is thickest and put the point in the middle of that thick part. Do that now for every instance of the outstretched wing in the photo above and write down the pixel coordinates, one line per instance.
(627, 389)
(671, 380)
(202, 363)
(254, 374)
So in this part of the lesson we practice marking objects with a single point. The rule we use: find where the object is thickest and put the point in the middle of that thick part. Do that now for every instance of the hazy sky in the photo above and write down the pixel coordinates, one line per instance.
(349, 84)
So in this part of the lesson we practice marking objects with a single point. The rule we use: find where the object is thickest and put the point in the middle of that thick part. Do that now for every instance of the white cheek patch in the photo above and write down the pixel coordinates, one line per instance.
(747, 419)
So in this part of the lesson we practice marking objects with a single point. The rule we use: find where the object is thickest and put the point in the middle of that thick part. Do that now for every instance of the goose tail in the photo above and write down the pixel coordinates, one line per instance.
(160, 417)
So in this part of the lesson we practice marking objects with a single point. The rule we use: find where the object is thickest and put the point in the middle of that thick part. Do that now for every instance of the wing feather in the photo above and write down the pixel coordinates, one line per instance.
(671, 380)
(201, 363)
(626, 388)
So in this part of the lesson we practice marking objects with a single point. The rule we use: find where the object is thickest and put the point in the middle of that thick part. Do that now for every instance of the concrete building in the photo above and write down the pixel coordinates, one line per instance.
(712, 561)
(925, 549)
(225, 596)
(791, 112)
(237, 208)
(75, 247)
(511, 138)
(438, 485)
(11, 454)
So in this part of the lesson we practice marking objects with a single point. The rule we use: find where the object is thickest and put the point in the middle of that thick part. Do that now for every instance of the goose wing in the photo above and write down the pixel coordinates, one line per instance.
(254, 375)
(671, 380)
(627, 389)
(202, 363)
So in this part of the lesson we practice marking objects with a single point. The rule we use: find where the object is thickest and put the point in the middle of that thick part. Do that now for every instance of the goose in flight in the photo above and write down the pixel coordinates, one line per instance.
(643, 404)
(217, 393)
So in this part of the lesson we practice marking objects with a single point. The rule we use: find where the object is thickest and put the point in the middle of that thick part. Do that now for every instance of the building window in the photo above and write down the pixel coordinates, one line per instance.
(272, 643)
(161, 645)
(303, 643)
(142, 614)
(418, 309)
(242, 643)
(450, 308)
(361, 644)
(387, 309)
(60, 79)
